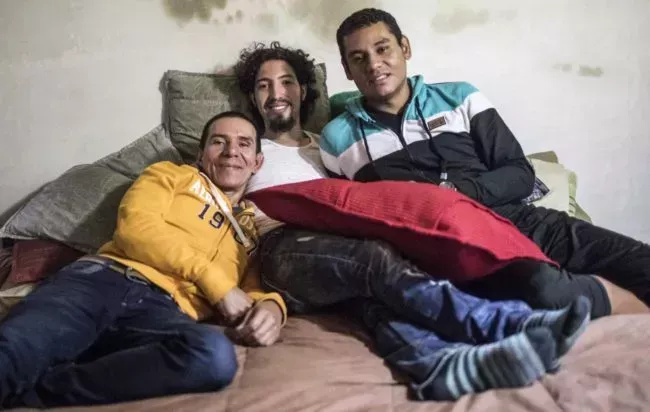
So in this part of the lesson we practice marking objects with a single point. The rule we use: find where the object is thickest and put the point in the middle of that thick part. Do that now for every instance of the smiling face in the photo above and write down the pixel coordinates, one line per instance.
(377, 62)
(230, 155)
(278, 96)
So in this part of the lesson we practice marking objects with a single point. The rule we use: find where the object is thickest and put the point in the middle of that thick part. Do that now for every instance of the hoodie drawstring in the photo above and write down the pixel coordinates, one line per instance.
(432, 145)
(365, 140)
(367, 147)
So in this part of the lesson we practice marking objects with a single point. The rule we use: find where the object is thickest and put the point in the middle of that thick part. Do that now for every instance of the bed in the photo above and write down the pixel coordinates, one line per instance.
(323, 361)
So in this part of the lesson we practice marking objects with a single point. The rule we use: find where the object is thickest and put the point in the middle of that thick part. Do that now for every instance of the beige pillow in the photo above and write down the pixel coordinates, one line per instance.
(556, 178)
(561, 182)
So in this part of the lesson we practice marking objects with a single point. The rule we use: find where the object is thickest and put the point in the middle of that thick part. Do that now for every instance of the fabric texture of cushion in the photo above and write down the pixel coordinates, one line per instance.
(192, 98)
(79, 208)
(33, 260)
(443, 232)
(131, 160)
(339, 101)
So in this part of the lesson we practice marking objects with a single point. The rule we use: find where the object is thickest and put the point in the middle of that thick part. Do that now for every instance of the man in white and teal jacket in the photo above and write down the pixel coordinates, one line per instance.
(449, 134)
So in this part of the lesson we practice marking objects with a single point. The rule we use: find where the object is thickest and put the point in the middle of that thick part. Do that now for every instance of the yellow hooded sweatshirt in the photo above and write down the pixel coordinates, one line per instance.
(172, 232)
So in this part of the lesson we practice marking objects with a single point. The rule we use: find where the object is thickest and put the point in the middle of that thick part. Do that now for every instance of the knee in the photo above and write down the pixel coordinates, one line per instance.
(212, 362)
(380, 247)
(220, 360)
(545, 297)
(547, 288)
(388, 267)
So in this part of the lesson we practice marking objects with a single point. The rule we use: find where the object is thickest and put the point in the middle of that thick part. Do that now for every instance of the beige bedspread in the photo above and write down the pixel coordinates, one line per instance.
(323, 363)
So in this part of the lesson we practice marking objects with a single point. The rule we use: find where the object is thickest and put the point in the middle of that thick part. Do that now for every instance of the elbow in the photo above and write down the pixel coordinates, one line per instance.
(124, 239)
(129, 234)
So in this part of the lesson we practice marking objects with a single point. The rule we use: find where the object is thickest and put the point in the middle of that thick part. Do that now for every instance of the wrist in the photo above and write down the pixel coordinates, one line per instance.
(273, 307)
(466, 187)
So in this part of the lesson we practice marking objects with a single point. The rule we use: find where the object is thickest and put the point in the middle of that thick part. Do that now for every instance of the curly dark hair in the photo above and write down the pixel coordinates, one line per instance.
(364, 18)
(252, 58)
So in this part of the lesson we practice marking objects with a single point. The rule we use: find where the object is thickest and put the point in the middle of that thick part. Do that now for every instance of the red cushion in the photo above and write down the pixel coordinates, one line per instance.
(446, 233)
(33, 260)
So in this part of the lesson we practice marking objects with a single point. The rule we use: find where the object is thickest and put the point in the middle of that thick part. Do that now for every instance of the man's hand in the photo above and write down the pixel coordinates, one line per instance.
(262, 325)
(234, 305)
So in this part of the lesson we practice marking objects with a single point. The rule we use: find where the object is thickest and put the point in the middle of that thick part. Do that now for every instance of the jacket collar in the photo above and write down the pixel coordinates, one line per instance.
(355, 106)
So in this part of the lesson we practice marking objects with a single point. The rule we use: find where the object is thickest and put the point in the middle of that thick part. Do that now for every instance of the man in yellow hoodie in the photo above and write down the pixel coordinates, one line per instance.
(123, 324)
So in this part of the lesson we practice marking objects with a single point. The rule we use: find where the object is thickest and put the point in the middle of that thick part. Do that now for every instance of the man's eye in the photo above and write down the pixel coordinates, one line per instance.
(261, 86)
(382, 50)
(218, 141)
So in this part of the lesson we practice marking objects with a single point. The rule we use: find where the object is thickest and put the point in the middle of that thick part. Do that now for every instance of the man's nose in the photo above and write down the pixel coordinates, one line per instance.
(374, 61)
(231, 149)
(277, 91)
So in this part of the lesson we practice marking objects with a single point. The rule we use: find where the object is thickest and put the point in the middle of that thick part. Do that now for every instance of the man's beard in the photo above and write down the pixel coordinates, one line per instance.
(281, 125)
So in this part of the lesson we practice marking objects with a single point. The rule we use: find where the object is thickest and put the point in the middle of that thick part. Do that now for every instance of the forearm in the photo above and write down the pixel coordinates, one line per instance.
(500, 186)
(510, 177)
(251, 284)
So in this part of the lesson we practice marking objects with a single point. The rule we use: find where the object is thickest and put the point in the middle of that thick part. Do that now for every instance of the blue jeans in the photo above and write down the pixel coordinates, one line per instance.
(412, 316)
(91, 335)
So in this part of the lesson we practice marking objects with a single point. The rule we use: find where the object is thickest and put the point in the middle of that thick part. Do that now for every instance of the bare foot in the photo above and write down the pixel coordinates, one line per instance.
(621, 300)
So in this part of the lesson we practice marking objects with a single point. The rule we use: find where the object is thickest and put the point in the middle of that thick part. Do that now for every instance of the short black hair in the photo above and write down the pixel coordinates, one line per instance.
(364, 18)
(251, 60)
(222, 115)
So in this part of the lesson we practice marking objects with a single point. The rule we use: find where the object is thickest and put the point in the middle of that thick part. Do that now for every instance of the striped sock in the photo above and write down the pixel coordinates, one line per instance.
(516, 361)
(566, 324)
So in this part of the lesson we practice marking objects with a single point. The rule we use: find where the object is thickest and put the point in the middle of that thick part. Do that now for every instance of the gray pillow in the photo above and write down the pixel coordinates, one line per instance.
(192, 98)
(132, 159)
(80, 207)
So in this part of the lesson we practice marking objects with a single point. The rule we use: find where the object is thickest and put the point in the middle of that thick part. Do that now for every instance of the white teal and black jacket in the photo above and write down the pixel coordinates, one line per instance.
(446, 128)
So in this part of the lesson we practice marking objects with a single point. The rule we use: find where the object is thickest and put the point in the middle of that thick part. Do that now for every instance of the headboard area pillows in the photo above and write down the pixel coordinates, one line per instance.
(79, 208)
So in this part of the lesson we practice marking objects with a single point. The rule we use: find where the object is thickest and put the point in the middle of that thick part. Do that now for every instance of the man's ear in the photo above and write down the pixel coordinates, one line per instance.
(253, 102)
(259, 161)
(303, 93)
(199, 156)
(406, 47)
(346, 68)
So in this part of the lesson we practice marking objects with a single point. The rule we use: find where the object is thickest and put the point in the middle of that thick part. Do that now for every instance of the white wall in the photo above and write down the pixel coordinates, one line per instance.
(79, 78)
